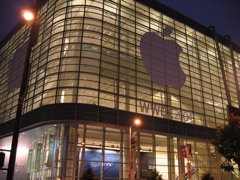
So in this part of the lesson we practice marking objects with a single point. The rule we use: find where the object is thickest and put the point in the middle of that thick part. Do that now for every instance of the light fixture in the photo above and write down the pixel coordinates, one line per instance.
(28, 14)
(137, 122)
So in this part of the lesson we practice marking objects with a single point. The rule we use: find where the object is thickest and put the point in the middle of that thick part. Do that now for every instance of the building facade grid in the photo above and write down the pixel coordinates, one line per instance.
(89, 52)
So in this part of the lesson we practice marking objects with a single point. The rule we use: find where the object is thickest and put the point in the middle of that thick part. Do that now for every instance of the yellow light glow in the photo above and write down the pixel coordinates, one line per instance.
(28, 15)
(137, 122)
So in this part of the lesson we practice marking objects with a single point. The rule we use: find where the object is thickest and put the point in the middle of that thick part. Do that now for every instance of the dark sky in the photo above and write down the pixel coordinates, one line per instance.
(223, 14)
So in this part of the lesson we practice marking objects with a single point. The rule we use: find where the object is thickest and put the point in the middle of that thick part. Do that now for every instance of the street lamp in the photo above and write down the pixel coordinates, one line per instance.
(29, 16)
(137, 122)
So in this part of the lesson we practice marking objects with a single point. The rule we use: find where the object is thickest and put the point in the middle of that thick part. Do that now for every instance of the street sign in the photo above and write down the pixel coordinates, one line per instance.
(132, 154)
(187, 151)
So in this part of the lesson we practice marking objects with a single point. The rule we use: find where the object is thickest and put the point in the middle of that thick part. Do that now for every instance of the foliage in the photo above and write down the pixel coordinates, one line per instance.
(154, 175)
(227, 166)
(207, 176)
(227, 143)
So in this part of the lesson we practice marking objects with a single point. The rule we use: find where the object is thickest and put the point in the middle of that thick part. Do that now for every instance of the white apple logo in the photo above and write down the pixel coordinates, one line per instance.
(161, 59)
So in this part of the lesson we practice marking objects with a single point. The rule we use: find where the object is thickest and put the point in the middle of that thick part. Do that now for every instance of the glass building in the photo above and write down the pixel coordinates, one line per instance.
(95, 66)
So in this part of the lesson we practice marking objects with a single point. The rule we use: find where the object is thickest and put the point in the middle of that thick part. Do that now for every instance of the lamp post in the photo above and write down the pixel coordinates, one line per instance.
(132, 144)
(29, 16)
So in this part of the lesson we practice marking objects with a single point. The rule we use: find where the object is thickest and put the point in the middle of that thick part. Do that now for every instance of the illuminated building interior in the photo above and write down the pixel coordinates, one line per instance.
(88, 54)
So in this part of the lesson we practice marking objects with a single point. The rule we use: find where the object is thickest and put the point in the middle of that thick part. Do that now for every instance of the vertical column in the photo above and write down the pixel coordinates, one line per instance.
(117, 23)
(75, 151)
(132, 147)
(23, 88)
(71, 153)
(126, 156)
(154, 150)
(64, 152)
(213, 31)
(79, 152)
(83, 150)
(68, 168)
(168, 97)
(195, 157)
(180, 160)
(43, 154)
(103, 153)
(171, 161)
(121, 156)
(234, 68)
(127, 95)
(56, 166)
(138, 168)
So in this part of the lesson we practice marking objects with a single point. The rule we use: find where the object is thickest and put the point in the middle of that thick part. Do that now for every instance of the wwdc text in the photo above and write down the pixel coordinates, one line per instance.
(166, 112)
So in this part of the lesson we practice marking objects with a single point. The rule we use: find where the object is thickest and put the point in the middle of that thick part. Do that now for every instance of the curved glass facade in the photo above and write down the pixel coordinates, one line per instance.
(102, 53)
(89, 52)
(68, 150)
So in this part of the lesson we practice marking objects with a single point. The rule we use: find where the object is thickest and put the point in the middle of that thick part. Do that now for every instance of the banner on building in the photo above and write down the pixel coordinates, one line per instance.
(93, 160)
(38, 157)
(29, 161)
(51, 150)
(187, 151)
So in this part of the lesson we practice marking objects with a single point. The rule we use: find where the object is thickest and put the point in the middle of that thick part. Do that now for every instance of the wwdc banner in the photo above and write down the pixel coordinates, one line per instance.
(166, 112)
(93, 158)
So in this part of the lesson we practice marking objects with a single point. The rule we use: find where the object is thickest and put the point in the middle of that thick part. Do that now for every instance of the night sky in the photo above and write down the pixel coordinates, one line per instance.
(223, 14)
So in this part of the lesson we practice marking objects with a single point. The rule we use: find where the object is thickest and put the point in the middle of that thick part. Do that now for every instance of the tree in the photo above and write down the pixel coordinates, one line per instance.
(227, 143)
